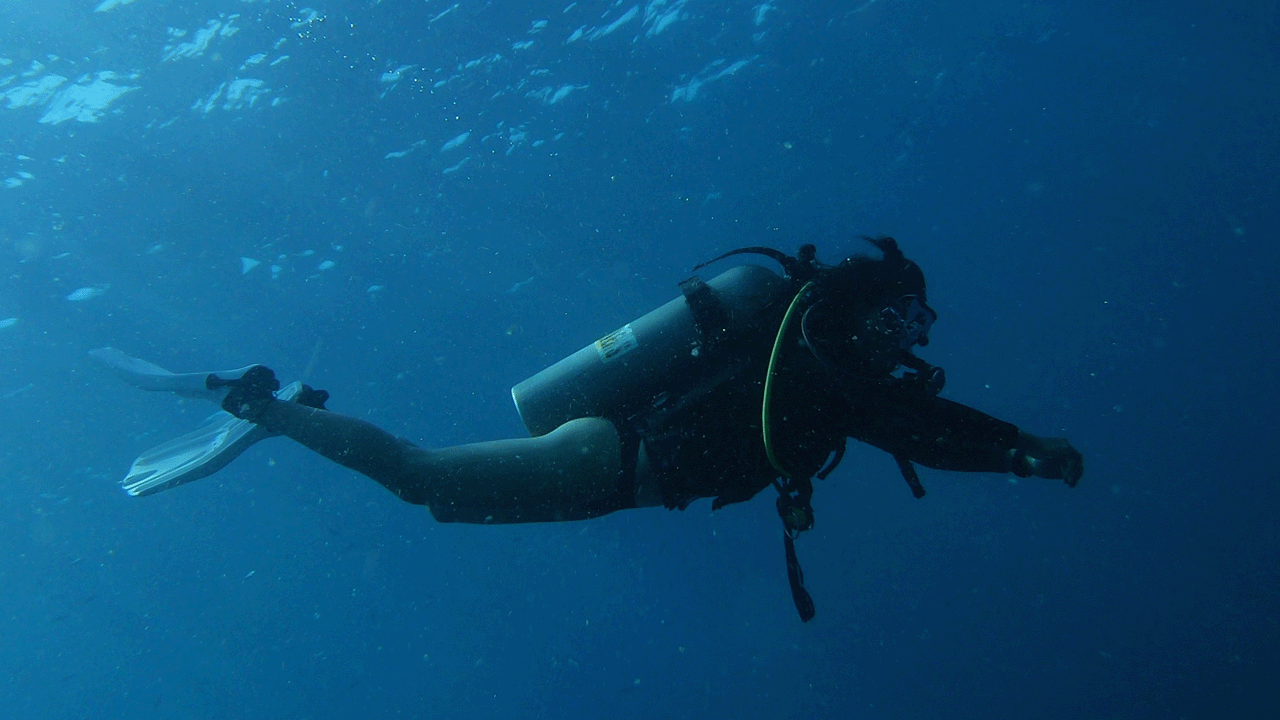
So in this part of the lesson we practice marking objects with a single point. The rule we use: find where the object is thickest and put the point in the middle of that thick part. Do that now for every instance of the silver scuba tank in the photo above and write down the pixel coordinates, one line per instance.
(661, 356)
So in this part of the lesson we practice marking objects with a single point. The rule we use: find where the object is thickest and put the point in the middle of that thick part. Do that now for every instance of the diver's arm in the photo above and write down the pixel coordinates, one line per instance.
(946, 435)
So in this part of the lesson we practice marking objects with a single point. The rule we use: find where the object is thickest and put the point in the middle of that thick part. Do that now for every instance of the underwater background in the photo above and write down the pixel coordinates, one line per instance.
(415, 205)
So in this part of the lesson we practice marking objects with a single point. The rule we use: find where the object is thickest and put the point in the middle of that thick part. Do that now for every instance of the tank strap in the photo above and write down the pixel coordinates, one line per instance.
(799, 269)
(709, 315)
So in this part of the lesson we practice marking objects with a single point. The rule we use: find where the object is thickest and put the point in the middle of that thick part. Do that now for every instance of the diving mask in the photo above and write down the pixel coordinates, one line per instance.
(870, 344)
(908, 319)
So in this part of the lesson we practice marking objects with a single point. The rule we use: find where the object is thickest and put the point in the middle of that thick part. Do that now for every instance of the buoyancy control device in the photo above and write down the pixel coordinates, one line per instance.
(696, 341)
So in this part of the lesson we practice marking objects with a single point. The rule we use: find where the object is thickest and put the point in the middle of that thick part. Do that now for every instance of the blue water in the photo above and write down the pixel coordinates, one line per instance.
(1090, 187)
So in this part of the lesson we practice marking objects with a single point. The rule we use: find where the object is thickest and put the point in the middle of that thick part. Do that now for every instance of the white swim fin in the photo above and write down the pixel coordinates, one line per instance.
(197, 454)
(149, 376)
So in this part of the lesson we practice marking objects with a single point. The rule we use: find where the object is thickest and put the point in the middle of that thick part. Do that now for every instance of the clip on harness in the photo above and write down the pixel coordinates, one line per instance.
(795, 491)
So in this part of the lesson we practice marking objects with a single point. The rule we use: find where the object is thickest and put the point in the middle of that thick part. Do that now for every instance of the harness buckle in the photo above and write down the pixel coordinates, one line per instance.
(796, 514)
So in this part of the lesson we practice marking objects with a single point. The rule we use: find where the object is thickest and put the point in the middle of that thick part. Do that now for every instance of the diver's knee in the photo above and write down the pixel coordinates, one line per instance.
(593, 430)
(586, 443)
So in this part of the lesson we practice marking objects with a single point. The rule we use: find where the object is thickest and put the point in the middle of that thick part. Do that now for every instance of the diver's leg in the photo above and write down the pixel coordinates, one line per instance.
(572, 473)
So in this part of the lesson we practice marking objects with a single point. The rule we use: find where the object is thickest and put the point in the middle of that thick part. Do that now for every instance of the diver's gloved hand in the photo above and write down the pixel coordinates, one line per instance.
(250, 394)
(1051, 458)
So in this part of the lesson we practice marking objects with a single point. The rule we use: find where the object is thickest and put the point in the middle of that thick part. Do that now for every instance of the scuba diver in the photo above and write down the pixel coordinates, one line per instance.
(750, 380)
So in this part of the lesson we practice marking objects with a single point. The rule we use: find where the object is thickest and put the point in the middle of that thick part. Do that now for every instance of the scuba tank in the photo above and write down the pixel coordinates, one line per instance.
(682, 346)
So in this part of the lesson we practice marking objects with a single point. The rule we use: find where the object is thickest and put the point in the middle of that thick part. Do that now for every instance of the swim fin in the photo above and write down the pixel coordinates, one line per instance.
(197, 454)
(149, 376)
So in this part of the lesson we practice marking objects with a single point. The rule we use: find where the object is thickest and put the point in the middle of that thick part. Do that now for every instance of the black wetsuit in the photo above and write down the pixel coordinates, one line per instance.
(713, 447)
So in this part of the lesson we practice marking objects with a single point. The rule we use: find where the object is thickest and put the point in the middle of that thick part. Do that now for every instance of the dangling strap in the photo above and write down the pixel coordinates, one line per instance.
(909, 474)
(833, 462)
(803, 601)
(797, 516)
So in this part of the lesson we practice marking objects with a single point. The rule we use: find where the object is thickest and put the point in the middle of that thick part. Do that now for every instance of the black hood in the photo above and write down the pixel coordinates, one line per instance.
(861, 281)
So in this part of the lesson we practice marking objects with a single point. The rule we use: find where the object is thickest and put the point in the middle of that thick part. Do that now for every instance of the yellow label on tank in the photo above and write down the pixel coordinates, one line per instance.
(616, 344)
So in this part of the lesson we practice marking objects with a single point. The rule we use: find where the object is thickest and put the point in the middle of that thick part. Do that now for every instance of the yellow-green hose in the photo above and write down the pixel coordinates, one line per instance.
(766, 427)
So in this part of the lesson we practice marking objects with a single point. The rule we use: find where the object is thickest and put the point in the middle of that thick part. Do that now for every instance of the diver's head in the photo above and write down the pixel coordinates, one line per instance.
(868, 312)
